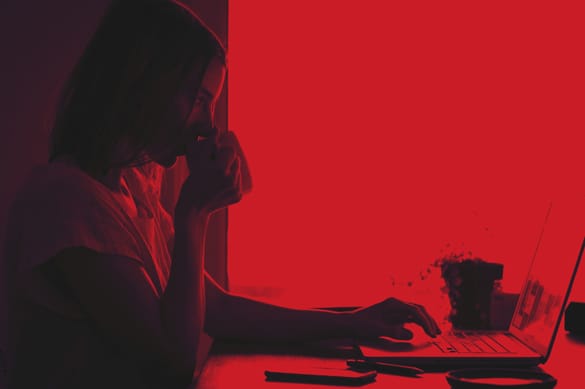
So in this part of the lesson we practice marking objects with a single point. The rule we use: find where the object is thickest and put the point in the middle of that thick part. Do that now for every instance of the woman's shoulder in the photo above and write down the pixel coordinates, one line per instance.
(59, 177)
(60, 206)
(57, 187)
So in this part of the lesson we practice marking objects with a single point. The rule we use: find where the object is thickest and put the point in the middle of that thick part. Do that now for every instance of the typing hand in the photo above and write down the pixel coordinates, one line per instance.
(387, 318)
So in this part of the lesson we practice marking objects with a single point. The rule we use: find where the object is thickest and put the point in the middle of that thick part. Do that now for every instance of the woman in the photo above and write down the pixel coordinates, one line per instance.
(108, 290)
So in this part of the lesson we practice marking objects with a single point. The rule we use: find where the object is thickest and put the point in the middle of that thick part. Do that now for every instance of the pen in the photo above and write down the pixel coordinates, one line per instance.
(382, 367)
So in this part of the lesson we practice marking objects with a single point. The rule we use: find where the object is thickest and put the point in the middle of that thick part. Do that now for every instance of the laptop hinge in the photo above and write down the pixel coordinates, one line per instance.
(526, 345)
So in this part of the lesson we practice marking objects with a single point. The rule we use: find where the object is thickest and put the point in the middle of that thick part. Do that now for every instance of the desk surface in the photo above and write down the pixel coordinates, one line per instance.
(241, 366)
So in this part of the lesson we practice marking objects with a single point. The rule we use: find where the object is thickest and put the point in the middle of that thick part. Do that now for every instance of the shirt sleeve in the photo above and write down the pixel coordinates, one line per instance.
(70, 212)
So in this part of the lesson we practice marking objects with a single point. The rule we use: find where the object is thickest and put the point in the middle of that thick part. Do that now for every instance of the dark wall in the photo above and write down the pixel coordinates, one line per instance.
(40, 43)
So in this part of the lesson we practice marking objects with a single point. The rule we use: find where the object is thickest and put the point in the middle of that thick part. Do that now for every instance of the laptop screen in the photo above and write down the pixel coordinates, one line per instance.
(545, 292)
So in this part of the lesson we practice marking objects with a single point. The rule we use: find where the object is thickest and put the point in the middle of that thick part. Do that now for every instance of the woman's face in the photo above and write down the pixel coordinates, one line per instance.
(191, 113)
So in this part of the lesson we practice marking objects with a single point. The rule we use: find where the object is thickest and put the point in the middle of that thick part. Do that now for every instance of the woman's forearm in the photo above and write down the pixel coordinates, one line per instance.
(239, 318)
(183, 303)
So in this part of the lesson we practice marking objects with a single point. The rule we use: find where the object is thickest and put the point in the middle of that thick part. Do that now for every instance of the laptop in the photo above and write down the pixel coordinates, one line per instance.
(537, 315)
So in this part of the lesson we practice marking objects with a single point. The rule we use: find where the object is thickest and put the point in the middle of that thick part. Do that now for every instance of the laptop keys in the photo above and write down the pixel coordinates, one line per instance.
(465, 343)
(444, 346)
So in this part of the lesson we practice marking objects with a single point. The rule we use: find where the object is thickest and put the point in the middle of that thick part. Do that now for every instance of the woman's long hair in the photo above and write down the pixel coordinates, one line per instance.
(125, 79)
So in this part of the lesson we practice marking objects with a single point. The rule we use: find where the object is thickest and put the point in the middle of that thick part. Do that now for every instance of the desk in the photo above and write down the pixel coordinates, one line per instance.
(242, 366)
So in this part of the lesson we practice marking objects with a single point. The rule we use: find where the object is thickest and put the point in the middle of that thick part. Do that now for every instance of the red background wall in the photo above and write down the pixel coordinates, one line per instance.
(385, 135)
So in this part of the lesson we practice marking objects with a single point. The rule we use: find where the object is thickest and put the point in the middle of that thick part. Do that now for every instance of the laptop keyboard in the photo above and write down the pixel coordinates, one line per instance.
(470, 342)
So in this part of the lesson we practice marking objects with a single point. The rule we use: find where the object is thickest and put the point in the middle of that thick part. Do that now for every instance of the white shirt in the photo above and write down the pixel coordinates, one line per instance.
(55, 342)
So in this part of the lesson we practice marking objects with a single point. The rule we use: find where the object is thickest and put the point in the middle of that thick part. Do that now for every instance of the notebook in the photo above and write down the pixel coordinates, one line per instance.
(530, 336)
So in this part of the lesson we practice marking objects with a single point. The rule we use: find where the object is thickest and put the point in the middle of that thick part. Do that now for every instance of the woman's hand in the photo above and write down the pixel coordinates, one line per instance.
(229, 139)
(388, 317)
(215, 180)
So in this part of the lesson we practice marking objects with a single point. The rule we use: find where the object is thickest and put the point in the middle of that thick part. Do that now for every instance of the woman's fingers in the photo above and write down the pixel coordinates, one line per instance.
(412, 313)
(231, 192)
(236, 173)
(216, 163)
(230, 139)
(215, 173)
(400, 333)
(429, 317)
(417, 314)
(228, 197)
(226, 156)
